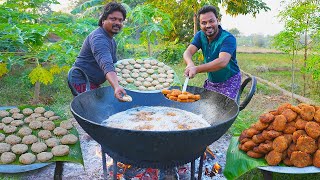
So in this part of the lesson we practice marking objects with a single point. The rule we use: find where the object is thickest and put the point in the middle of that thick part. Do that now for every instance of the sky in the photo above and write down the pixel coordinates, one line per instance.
(265, 23)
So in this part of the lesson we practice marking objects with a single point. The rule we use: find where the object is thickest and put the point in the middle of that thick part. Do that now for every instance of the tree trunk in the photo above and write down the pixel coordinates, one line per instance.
(305, 58)
(195, 28)
(149, 48)
(292, 77)
(36, 92)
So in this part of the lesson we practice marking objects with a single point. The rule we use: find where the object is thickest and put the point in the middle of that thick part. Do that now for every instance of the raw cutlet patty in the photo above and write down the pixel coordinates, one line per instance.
(59, 131)
(52, 142)
(48, 125)
(44, 134)
(69, 139)
(19, 148)
(44, 156)
(27, 158)
(4, 147)
(29, 139)
(25, 131)
(7, 157)
(60, 150)
(35, 124)
(38, 147)
(7, 120)
(27, 111)
(39, 110)
(4, 113)
(2, 137)
(13, 139)
(66, 124)
(9, 129)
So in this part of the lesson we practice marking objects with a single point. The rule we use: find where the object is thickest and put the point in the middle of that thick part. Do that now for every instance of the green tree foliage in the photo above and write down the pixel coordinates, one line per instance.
(171, 52)
(20, 32)
(33, 34)
(235, 32)
(313, 64)
(258, 40)
(93, 7)
(237, 7)
(301, 32)
(183, 16)
(152, 24)
(181, 12)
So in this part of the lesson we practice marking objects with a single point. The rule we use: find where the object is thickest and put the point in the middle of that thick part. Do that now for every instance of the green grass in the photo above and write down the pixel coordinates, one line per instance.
(243, 121)
(251, 63)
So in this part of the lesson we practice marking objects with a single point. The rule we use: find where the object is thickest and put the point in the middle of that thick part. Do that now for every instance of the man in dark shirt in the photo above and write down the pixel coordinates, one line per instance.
(98, 52)
(219, 51)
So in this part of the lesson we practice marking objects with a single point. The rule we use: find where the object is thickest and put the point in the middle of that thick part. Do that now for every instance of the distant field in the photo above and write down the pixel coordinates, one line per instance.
(246, 49)
(264, 65)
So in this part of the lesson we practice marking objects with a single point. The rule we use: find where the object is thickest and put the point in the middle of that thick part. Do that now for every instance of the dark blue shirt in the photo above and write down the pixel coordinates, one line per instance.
(96, 58)
(223, 42)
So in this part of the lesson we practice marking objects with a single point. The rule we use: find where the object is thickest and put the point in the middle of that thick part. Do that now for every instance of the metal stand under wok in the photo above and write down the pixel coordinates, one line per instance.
(172, 148)
(115, 167)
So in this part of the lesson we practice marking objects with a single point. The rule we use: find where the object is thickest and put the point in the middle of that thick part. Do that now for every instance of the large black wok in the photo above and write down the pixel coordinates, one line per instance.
(150, 148)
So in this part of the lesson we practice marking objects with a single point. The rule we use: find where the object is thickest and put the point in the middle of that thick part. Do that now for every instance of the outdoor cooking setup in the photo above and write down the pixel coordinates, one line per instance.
(155, 149)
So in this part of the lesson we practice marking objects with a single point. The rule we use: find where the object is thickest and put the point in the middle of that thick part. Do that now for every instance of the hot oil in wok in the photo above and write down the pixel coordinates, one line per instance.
(156, 118)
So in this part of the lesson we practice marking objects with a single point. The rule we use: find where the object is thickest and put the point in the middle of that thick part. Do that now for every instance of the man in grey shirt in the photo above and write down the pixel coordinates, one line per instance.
(98, 52)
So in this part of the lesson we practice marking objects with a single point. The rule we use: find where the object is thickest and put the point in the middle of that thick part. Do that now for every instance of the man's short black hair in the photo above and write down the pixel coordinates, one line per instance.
(110, 8)
(206, 9)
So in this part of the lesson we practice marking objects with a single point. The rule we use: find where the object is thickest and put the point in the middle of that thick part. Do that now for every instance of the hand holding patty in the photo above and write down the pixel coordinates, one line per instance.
(127, 98)
(119, 92)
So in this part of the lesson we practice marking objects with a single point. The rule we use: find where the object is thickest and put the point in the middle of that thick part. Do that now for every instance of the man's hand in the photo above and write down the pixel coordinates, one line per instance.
(190, 65)
(190, 71)
(119, 92)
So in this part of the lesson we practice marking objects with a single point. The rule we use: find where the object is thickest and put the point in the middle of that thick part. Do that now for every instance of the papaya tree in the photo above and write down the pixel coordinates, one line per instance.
(151, 23)
(37, 38)
(22, 35)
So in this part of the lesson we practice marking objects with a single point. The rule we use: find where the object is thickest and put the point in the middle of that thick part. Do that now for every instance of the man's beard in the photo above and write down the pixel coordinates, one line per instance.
(116, 31)
(212, 33)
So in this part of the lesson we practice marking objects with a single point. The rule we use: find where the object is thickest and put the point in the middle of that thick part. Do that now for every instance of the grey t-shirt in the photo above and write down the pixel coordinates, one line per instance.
(96, 58)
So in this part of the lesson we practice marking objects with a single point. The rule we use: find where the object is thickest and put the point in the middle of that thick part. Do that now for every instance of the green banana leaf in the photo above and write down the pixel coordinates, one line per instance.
(75, 154)
(238, 162)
